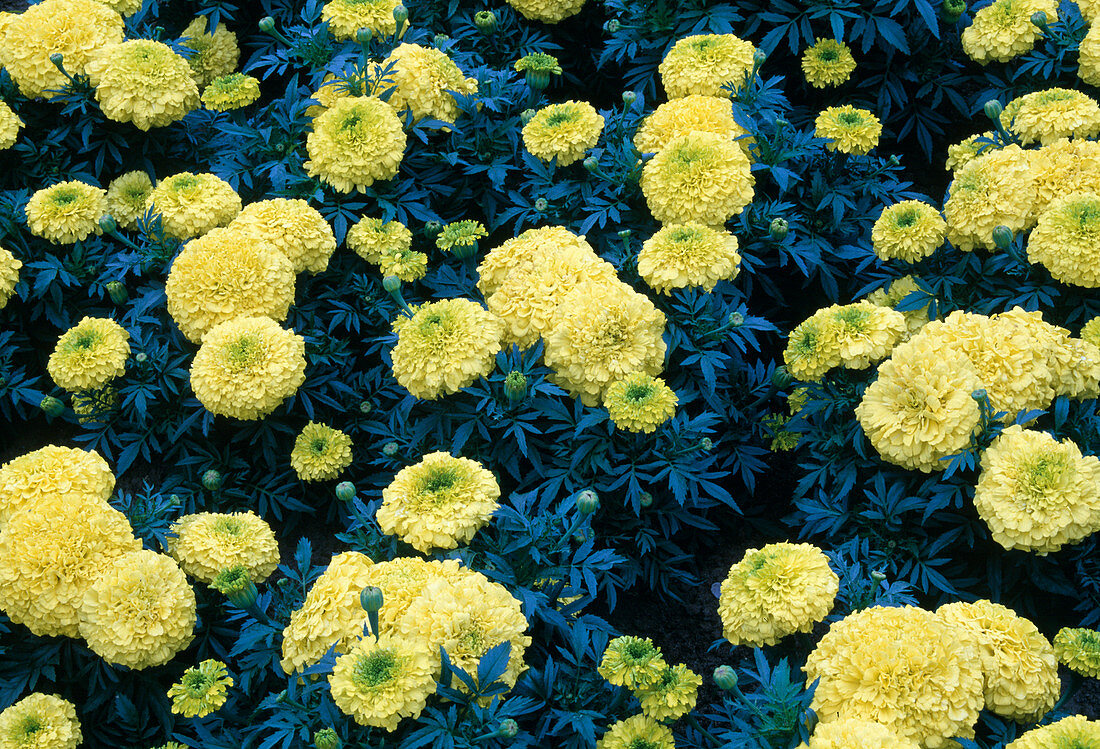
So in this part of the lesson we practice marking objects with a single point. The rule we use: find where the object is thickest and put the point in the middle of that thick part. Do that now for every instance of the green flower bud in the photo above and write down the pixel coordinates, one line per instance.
(391, 284)
(108, 224)
(363, 36)
(541, 204)
(736, 319)
(778, 229)
(625, 234)
(174, 500)
(646, 499)
(212, 480)
(485, 21)
(629, 97)
(440, 39)
(588, 502)
(370, 598)
(993, 110)
(579, 538)
(725, 678)
(591, 164)
(1002, 237)
(327, 738)
(390, 449)
(781, 378)
(52, 406)
(400, 14)
(1039, 19)
(758, 58)
(706, 443)
(979, 395)
(236, 585)
(953, 9)
(58, 60)
(117, 291)
(266, 24)
(612, 26)
(515, 386)
(140, 357)
(527, 115)
(877, 576)
(432, 229)
(508, 728)
(345, 491)
(365, 407)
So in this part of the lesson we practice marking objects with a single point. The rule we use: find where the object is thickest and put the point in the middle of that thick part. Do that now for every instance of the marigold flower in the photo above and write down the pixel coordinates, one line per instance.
(640, 402)
(66, 212)
(247, 366)
(993, 190)
(547, 11)
(124, 7)
(1090, 332)
(524, 251)
(1066, 240)
(909, 231)
(1045, 116)
(709, 114)
(864, 332)
(892, 295)
(1076, 730)
(827, 63)
(704, 63)
(1088, 57)
(346, 17)
(632, 662)
(692, 254)
(53, 471)
(354, 142)
(1021, 671)
(380, 681)
(845, 733)
(1061, 169)
(460, 234)
(563, 132)
(674, 694)
(538, 62)
(1004, 30)
(423, 80)
(228, 92)
(143, 82)
(201, 689)
(206, 543)
(638, 731)
(215, 54)
(190, 205)
(775, 591)
(127, 197)
(849, 130)
(1079, 650)
(812, 347)
(10, 123)
(961, 153)
(439, 503)
(699, 177)
(407, 265)
(370, 238)
(89, 355)
(320, 452)
(40, 721)
(293, 227)
(445, 346)
(9, 275)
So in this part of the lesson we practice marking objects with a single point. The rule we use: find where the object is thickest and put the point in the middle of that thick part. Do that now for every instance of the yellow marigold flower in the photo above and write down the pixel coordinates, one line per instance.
(124, 7)
(408, 265)
(563, 132)
(640, 402)
(89, 355)
(380, 681)
(909, 231)
(404, 579)
(1021, 671)
(346, 17)
(892, 295)
(9, 275)
(902, 667)
(849, 130)
(468, 617)
(52, 471)
(190, 205)
(73, 29)
(320, 452)
(225, 274)
(206, 543)
(674, 694)
(355, 142)
(1077, 369)
(1088, 58)
(201, 689)
(812, 347)
(1062, 168)
(439, 503)
(229, 92)
(632, 662)
(538, 62)
(827, 63)
(10, 123)
(704, 63)
(1079, 650)
(50, 554)
(864, 332)
(996, 189)
(66, 212)
(463, 233)
(1045, 116)
(143, 82)
(1037, 494)
(1076, 730)
(692, 254)
(127, 197)
(139, 612)
(961, 153)
(775, 591)
(370, 238)
(1090, 332)
(1004, 29)
(602, 333)
(699, 177)
(920, 409)
(247, 366)
(846, 733)
(293, 227)
(1090, 9)
(215, 54)
(423, 79)
(637, 732)
(1066, 240)
(40, 721)
(709, 114)
(523, 251)
(547, 11)
(445, 346)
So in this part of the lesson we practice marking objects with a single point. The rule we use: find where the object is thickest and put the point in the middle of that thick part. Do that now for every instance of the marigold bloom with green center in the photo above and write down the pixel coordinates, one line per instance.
(674, 694)
(206, 543)
(1003, 30)
(547, 11)
(201, 690)
(1045, 116)
(40, 721)
(699, 177)
(355, 142)
(463, 233)
(524, 250)
(1066, 240)
(849, 130)
(229, 92)
(959, 154)
(704, 63)
(827, 63)
(127, 196)
(1090, 332)
(439, 503)
(190, 205)
(247, 366)
(89, 355)
(909, 231)
(407, 265)
(10, 123)
(66, 212)
(346, 17)
(423, 79)
(632, 662)
(687, 255)
(563, 131)
(9, 275)
(379, 682)
(143, 82)
(1074, 732)
(864, 332)
(538, 62)
(214, 55)
(320, 452)
(53, 471)
(847, 733)
(995, 189)
(640, 402)
(294, 227)
(812, 347)
(711, 114)
(1079, 650)
(370, 238)
(445, 346)
(637, 732)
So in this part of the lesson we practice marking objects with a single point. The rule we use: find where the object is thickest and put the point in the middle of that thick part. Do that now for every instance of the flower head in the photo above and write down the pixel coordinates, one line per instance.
(40, 721)
(632, 662)
(201, 689)
(672, 695)
(996, 189)
(703, 64)
(1004, 30)
(293, 227)
(346, 17)
(563, 132)
(909, 231)
(846, 733)
(698, 177)
(127, 197)
(524, 251)
(547, 11)
(9, 275)
(247, 366)
(849, 130)
(1079, 650)
(355, 142)
(423, 80)
(228, 92)
(10, 123)
(90, 354)
(1061, 169)
(864, 332)
(637, 732)
(959, 154)
(1053, 113)
(692, 254)
(1088, 57)
(463, 233)
(812, 347)
(320, 452)
(370, 238)
(214, 55)
(827, 63)
(66, 212)
(190, 205)
(710, 114)
(1066, 240)
(53, 471)
(380, 681)
(438, 503)
(538, 62)
(1074, 731)
(408, 265)
(143, 82)
(640, 402)
(206, 543)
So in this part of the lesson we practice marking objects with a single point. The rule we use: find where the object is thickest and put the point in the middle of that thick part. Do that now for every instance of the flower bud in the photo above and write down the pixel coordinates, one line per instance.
(363, 36)
(432, 229)
(390, 449)
(108, 224)
(266, 24)
(979, 394)
(579, 538)
(212, 480)
(629, 97)
(541, 204)
(52, 406)
(1039, 18)
(706, 443)
(953, 9)
(174, 500)
(759, 57)
(345, 491)
(625, 234)
(370, 598)
(612, 26)
(778, 229)
(515, 386)
(400, 14)
(591, 164)
(391, 284)
(527, 115)
(117, 291)
(508, 728)
(365, 407)
(141, 357)
(725, 678)
(781, 378)
(58, 60)
(235, 584)
(736, 319)
(1002, 237)
(993, 110)
(645, 499)
(877, 576)
(538, 80)
(486, 21)
(327, 738)
(588, 502)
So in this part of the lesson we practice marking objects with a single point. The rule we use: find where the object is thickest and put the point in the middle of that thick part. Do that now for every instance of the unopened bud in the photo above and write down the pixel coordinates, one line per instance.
(538, 80)
(117, 291)
(646, 499)
(778, 229)
(400, 14)
(725, 678)
(1002, 237)
(541, 204)
(141, 357)
(108, 224)
(58, 60)
(390, 449)
(953, 10)
(327, 738)
(391, 284)
(363, 36)
(736, 319)
(440, 39)
(781, 378)
(174, 500)
(625, 234)
(993, 109)
(52, 406)
(485, 21)
(370, 598)
(706, 443)
(591, 164)
(365, 407)
(433, 228)
(612, 26)
(212, 479)
(266, 24)
(508, 728)
(877, 576)
(759, 57)
(588, 501)
(527, 115)
(1039, 18)
(515, 386)
(345, 491)
(629, 97)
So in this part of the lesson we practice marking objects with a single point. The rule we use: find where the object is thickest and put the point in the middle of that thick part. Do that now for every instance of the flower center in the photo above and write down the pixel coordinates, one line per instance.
(639, 392)
(228, 526)
(28, 728)
(637, 650)
(439, 480)
(245, 351)
(185, 182)
(318, 445)
(907, 218)
(851, 119)
(560, 117)
(374, 669)
(828, 55)
(196, 683)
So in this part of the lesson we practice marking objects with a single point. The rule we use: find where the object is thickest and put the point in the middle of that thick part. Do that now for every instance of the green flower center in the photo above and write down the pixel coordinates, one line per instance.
(684, 235)
(1086, 214)
(828, 54)
(850, 119)
(85, 340)
(231, 579)
(560, 117)
(374, 669)
(318, 445)
(854, 318)
(196, 683)
(636, 650)
(640, 743)
(65, 196)
(439, 480)
(473, 641)
(638, 392)
(28, 728)
(245, 351)
(1043, 473)
(702, 46)
(228, 526)
(907, 218)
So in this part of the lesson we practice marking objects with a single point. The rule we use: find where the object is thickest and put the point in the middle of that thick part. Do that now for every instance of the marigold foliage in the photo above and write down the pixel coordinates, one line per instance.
(190, 205)
(638, 731)
(827, 62)
(206, 543)
(294, 227)
(346, 17)
(640, 402)
(892, 295)
(10, 123)
(143, 82)
(849, 129)
(909, 231)
(53, 471)
(320, 452)
(40, 721)
(995, 189)
(632, 662)
(66, 212)
(1003, 30)
(709, 114)
(381, 681)
(127, 196)
(201, 689)
(89, 355)
(372, 238)
(699, 177)
(355, 142)
(1079, 650)
(422, 79)
(846, 733)
(1074, 731)
(1053, 113)
(704, 63)
(692, 254)
(547, 11)
(1066, 240)
(228, 92)
(215, 54)
(563, 132)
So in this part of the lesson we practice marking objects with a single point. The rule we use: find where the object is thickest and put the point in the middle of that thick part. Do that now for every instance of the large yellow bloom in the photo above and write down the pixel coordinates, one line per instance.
(692, 254)
(10, 123)
(423, 79)
(698, 177)
(703, 64)
(525, 250)
(849, 130)
(89, 355)
(848, 733)
(709, 114)
(294, 227)
(320, 452)
(1066, 241)
(353, 143)
(127, 196)
(909, 231)
(247, 366)
(864, 332)
(346, 17)
(1062, 168)
(812, 347)
(53, 471)
(637, 732)
(1074, 731)
(995, 189)
(371, 238)
(775, 591)
(206, 543)
(901, 667)
(140, 611)
(66, 212)
(1004, 29)
(215, 54)
(143, 82)
(40, 721)
(640, 402)
(226, 274)
(1053, 113)
(190, 205)
(380, 681)
(445, 346)
(563, 132)
(827, 62)
(201, 689)
(547, 11)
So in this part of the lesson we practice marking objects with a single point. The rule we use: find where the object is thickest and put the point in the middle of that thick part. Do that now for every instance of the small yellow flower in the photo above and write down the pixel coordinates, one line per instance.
(909, 231)
(371, 238)
(66, 212)
(632, 662)
(704, 63)
(849, 130)
(563, 131)
(89, 355)
(1079, 650)
(827, 63)
(640, 402)
(460, 234)
(201, 690)
(127, 196)
(354, 143)
(674, 693)
(320, 452)
(637, 732)
(230, 92)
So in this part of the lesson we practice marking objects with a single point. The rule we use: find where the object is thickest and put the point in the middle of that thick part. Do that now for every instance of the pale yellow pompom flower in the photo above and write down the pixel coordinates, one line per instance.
(346, 17)
(143, 82)
(563, 131)
(640, 402)
(320, 452)
(10, 124)
(1003, 30)
(127, 196)
(547, 11)
(688, 255)
(381, 681)
(294, 227)
(206, 543)
(1053, 113)
(53, 471)
(909, 231)
(699, 177)
(89, 355)
(190, 205)
(40, 721)
(423, 79)
(711, 114)
(214, 55)
(66, 212)
(704, 63)
(354, 143)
